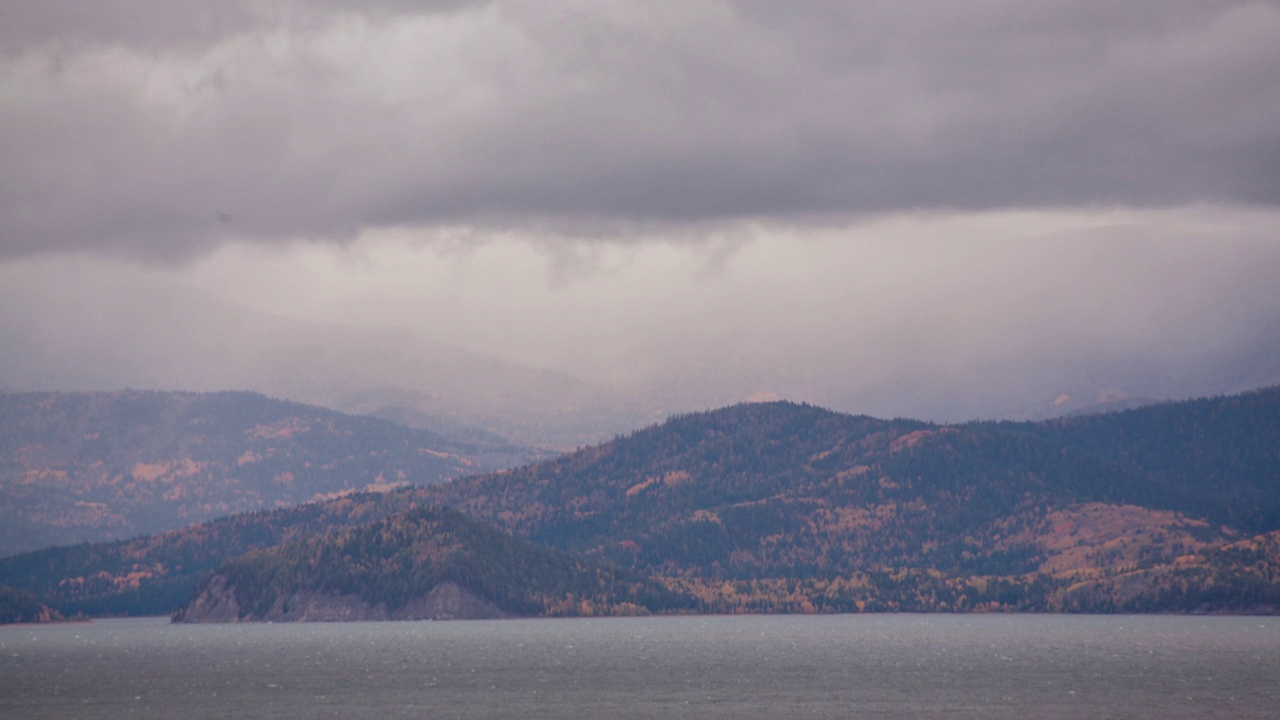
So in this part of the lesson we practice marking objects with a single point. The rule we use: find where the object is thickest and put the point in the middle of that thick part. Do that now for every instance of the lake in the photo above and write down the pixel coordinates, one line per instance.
(836, 666)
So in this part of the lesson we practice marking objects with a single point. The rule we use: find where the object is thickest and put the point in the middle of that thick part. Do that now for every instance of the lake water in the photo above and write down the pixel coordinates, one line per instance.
(844, 666)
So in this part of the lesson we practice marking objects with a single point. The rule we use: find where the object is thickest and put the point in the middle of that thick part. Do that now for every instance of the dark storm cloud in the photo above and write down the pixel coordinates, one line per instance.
(136, 127)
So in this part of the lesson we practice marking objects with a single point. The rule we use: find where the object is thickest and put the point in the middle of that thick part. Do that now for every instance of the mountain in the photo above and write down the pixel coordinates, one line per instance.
(432, 563)
(900, 514)
(97, 466)
(778, 507)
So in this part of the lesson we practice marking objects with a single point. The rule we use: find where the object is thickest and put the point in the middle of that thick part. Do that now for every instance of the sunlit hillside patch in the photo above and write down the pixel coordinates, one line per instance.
(1098, 537)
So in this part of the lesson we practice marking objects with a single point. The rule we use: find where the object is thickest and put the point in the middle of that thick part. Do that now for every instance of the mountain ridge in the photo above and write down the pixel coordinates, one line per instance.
(784, 507)
(427, 563)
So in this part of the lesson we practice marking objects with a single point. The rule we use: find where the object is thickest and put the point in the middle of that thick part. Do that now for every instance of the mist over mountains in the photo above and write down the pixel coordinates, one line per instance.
(143, 333)
(84, 330)
(554, 223)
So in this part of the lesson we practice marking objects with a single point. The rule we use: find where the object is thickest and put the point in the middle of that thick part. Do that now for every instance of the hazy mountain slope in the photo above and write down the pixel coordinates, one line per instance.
(106, 333)
(783, 507)
(430, 563)
(94, 466)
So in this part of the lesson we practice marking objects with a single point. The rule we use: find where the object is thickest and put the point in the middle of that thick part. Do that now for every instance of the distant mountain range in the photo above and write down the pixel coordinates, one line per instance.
(779, 507)
(98, 466)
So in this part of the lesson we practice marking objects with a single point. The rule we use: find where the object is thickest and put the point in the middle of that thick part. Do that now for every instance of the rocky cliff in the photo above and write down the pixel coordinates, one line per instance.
(217, 603)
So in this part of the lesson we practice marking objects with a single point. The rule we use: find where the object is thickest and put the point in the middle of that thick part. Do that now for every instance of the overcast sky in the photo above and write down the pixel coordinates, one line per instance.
(860, 204)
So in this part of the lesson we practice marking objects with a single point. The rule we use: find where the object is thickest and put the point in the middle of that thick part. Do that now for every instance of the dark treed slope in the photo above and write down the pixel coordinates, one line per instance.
(93, 466)
(758, 489)
(17, 606)
(154, 575)
(1217, 458)
(428, 563)
(784, 507)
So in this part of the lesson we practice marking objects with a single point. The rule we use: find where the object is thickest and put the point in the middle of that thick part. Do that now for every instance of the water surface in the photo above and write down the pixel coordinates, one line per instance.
(844, 666)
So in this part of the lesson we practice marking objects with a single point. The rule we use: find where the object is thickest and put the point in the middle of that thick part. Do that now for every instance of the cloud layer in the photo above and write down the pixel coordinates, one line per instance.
(160, 130)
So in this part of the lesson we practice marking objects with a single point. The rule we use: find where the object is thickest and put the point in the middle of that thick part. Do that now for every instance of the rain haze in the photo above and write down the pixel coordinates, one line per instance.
(587, 215)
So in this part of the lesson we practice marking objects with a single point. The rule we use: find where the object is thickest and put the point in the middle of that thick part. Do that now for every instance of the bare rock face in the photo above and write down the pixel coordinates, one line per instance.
(449, 601)
(217, 604)
(446, 601)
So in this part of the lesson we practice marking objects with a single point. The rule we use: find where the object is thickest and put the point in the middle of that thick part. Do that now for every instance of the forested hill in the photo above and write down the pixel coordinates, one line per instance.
(93, 466)
(775, 493)
(431, 563)
(786, 507)
(17, 606)
(1217, 458)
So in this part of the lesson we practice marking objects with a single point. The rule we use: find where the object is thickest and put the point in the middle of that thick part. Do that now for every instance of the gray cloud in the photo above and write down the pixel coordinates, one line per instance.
(155, 129)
